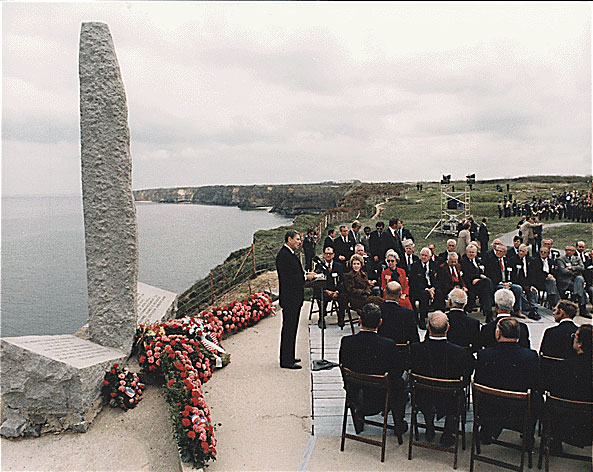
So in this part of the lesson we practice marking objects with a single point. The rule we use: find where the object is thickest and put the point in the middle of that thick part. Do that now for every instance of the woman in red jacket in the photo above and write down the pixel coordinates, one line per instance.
(392, 272)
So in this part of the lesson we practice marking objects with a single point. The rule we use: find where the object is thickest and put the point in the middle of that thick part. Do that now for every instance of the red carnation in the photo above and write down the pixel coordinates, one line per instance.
(113, 394)
(191, 434)
(171, 382)
(115, 366)
(186, 422)
(142, 359)
(185, 413)
(113, 371)
(105, 382)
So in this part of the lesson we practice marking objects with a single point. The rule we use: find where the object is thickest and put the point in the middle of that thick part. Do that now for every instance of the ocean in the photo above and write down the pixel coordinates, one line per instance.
(43, 276)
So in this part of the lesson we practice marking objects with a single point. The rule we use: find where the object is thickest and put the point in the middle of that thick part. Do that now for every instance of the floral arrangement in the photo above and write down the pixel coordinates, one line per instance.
(183, 353)
(121, 388)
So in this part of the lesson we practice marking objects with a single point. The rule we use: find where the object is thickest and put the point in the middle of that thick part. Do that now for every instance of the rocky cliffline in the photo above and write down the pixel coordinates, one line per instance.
(290, 200)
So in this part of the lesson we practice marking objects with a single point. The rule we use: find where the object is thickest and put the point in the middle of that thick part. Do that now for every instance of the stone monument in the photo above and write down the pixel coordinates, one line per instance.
(53, 383)
(109, 211)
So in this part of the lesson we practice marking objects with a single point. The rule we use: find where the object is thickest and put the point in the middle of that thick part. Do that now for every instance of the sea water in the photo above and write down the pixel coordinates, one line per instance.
(43, 283)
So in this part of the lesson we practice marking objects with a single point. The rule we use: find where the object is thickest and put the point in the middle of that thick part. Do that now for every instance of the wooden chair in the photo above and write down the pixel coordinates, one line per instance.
(547, 366)
(404, 352)
(379, 382)
(505, 400)
(453, 388)
(577, 414)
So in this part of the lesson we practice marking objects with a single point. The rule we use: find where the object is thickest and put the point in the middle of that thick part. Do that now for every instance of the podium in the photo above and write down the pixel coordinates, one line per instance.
(320, 364)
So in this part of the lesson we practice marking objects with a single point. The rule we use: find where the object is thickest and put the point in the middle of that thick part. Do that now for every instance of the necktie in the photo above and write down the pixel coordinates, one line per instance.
(454, 274)
(426, 274)
(409, 261)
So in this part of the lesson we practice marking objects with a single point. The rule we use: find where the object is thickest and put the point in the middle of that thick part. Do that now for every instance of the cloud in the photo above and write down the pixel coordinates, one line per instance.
(308, 91)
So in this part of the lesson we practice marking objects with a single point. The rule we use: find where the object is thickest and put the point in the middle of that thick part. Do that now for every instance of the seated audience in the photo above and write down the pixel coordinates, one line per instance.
(437, 357)
(507, 366)
(398, 323)
(504, 300)
(368, 353)
(463, 330)
(396, 274)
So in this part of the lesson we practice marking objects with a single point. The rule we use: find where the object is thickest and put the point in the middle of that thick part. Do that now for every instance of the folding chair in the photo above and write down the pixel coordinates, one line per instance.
(404, 352)
(315, 302)
(563, 412)
(505, 400)
(379, 382)
(453, 388)
(547, 366)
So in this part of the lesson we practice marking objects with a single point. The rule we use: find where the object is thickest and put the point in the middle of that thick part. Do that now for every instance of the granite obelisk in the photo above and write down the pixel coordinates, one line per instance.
(109, 211)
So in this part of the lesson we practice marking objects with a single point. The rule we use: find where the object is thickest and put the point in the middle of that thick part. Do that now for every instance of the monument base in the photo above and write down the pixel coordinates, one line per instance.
(52, 383)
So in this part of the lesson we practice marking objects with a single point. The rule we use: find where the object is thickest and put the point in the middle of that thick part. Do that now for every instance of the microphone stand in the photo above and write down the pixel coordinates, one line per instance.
(321, 364)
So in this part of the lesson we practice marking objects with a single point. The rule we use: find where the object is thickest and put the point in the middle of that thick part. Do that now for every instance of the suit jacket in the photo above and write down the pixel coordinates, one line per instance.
(376, 244)
(368, 353)
(389, 241)
(403, 263)
(566, 276)
(470, 271)
(493, 272)
(512, 256)
(444, 360)
(442, 257)
(329, 242)
(354, 237)
(334, 284)
(557, 340)
(463, 330)
(441, 359)
(508, 366)
(539, 276)
(588, 271)
(445, 278)
(417, 277)
(572, 379)
(291, 278)
(488, 335)
(518, 274)
(342, 248)
(399, 323)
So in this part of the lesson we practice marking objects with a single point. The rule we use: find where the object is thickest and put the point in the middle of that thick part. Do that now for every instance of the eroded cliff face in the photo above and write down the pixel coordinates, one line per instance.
(290, 200)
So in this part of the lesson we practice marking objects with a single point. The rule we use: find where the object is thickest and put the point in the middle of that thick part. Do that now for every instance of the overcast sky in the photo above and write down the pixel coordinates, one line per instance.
(263, 92)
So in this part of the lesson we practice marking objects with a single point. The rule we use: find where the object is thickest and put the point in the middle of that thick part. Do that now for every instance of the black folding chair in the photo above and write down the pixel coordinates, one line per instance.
(453, 388)
(505, 400)
(561, 415)
(354, 380)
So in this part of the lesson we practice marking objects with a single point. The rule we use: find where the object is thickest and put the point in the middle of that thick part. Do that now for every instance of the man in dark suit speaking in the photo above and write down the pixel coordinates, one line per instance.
(291, 279)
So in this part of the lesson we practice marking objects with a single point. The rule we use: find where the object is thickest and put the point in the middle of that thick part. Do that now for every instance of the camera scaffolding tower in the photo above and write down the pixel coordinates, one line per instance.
(455, 206)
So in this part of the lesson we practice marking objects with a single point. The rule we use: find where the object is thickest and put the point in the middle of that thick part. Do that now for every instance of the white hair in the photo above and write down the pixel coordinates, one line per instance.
(504, 299)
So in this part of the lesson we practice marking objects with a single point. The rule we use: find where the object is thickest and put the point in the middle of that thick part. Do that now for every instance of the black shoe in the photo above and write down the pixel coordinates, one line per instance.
(341, 323)
(533, 315)
(447, 440)
(485, 439)
(297, 359)
(358, 421)
(291, 366)
(401, 427)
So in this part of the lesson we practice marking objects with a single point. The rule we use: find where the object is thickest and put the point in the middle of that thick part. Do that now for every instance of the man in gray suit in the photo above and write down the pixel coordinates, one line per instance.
(570, 271)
